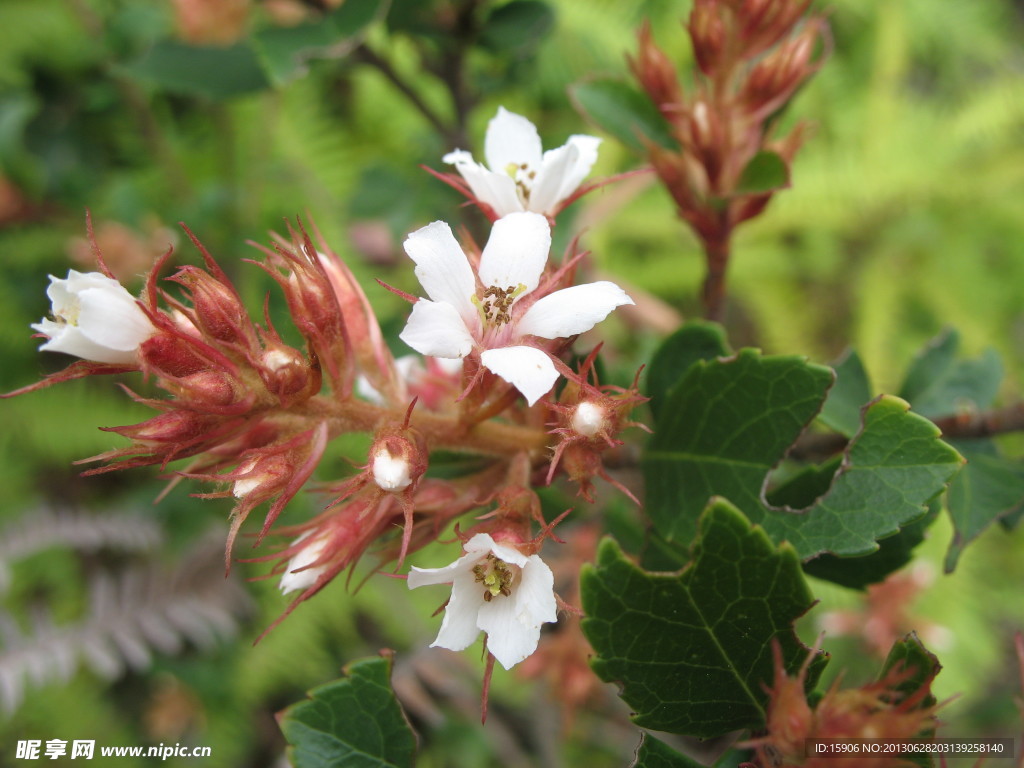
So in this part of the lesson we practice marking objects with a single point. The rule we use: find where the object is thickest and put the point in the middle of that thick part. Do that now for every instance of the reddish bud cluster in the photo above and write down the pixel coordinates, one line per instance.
(885, 710)
(752, 57)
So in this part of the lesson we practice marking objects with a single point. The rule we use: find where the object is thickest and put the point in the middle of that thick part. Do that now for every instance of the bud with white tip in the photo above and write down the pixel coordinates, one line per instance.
(301, 574)
(589, 419)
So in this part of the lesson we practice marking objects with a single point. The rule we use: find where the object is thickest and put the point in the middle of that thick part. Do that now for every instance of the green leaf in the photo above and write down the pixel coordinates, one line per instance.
(214, 73)
(765, 172)
(284, 52)
(694, 341)
(518, 27)
(909, 655)
(726, 424)
(624, 112)
(692, 651)
(848, 395)
(729, 422)
(938, 384)
(354, 722)
(654, 753)
(989, 488)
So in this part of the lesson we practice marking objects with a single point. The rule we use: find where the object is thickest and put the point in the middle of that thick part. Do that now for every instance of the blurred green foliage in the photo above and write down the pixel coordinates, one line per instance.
(904, 217)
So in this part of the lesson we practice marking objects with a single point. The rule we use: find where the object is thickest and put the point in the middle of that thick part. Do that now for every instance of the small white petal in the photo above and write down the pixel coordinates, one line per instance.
(535, 592)
(458, 156)
(459, 626)
(516, 251)
(511, 140)
(572, 310)
(112, 318)
(586, 156)
(552, 178)
(442, 267)
(391, 473)
(497, 190)
(435, 328)
(508, 639)
(527, 369)
(422, 577)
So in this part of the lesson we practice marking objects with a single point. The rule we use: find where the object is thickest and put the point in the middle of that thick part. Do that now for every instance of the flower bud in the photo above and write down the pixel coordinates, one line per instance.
(261, 477)
(218, 310)
(300, 573)
(707, 33)
(95, 318)
(171, 356)
(655, 72)
(589, 419)
(396, 461)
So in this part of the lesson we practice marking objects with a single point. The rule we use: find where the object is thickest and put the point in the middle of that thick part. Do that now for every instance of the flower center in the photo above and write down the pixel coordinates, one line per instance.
(496, 575)
(496, 303)
(68, 314)
(523, 176)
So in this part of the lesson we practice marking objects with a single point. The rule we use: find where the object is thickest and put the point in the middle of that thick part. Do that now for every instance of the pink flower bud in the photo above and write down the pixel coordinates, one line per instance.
(301, 573)
(589, 419)
(218, 310)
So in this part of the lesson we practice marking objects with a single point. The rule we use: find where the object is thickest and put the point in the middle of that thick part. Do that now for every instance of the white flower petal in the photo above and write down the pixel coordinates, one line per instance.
(548, 187)
(511, 140)
(70, 340)
(459, 626)
(535, 593)
(435, 328)
(113, 319)
(516, 251)
(509, 639)
(572, 310)
(498, 190)
(422, 577)
(586, 156)
(527, 369)
(442, 267)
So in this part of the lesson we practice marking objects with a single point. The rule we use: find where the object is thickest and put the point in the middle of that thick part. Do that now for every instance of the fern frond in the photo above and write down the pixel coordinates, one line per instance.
(131, 615)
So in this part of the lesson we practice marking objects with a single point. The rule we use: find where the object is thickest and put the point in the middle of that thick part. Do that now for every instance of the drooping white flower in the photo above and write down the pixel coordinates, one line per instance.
(518, 176)
(298, 575)
(95, 318)
(460, 317)
(495, 589)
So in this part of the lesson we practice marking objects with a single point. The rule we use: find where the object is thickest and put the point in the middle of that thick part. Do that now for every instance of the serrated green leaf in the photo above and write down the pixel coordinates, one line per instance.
(654, 753)
(284, 52)
(988, 489)
(354, 722)
(517, 27)
(848, 395)
(214, 73)
(694, 341)
(624, 112)
(938, 384)
(729, 422)
(765, 172)
(691, 650)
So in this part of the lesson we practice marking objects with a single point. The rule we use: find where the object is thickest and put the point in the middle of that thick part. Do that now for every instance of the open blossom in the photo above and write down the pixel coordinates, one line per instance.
(487, 312)
(518, 177)
(95, 318)
(495, 589)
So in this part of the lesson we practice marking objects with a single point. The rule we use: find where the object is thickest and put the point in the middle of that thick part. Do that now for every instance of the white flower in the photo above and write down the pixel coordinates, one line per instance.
(303, 579)
(95, 318)
(520, 178)
(458, 317)
(495, 589)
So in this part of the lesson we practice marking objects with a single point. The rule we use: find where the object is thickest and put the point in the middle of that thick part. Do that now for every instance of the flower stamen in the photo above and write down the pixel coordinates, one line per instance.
(496, 575)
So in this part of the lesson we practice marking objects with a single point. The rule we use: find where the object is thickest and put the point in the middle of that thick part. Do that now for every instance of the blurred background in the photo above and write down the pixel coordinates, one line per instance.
(906, 217)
